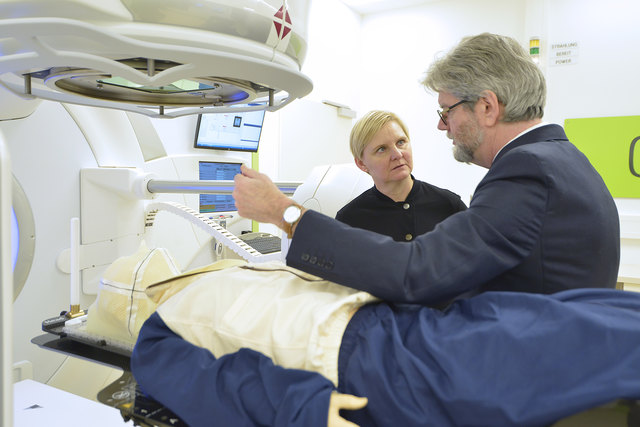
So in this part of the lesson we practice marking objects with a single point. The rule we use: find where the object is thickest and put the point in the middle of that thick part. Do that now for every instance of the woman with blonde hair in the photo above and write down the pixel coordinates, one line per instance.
(398, 205)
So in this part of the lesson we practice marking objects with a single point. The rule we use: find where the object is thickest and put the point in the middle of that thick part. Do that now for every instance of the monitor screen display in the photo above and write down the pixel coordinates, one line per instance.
(217, 171)
(235, 131)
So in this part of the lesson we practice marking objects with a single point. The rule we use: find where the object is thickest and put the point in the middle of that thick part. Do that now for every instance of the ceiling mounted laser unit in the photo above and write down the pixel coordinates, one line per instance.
(162, 58)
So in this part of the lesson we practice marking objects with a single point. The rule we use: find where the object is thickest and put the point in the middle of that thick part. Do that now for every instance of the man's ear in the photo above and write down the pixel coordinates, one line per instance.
(360, 164)
(490, 108)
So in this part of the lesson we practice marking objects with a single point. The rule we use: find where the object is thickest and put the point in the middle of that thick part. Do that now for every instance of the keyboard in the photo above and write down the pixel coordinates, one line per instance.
(264, 243)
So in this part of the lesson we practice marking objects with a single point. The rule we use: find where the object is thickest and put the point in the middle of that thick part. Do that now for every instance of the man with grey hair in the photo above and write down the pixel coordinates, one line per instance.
(541, 220)
(513, 86)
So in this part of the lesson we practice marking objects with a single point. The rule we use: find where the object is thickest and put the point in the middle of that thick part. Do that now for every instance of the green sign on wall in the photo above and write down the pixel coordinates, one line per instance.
(612, 144)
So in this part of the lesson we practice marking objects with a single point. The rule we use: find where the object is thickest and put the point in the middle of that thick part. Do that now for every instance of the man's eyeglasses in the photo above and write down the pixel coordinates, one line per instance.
(445, 111)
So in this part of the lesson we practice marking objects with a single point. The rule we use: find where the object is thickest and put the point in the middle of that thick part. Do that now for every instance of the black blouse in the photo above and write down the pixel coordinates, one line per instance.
(425, 206)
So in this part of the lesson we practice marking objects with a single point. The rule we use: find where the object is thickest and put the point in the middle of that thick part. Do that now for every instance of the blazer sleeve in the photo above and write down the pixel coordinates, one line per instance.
(239, 389)
(498, 230)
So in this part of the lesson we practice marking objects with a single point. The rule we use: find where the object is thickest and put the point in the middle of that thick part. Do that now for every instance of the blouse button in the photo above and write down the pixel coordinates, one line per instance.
(406, 206)
(408, 237)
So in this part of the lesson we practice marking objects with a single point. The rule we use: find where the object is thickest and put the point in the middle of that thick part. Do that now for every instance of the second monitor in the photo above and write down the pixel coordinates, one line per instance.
(235, 131)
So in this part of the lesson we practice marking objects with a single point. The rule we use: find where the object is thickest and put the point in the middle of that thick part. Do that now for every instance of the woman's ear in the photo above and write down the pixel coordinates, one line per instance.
(360, 164)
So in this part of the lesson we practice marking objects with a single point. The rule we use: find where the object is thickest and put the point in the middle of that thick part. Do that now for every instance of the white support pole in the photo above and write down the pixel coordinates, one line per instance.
(74, 267)
(6, 291)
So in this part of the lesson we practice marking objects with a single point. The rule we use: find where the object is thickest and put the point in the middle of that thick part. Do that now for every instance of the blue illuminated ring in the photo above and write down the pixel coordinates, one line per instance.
(25, 235)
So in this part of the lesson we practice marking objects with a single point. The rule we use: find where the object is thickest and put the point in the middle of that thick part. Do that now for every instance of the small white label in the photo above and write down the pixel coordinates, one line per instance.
(563, 53)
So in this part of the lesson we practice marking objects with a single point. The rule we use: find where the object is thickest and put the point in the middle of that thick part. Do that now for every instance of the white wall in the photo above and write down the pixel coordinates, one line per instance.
(335, 51)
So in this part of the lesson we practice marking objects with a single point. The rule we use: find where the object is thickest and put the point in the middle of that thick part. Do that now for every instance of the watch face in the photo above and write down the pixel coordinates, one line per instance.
(291, 214)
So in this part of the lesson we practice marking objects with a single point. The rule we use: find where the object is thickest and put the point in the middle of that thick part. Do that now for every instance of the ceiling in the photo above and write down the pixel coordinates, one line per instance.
(365, 7)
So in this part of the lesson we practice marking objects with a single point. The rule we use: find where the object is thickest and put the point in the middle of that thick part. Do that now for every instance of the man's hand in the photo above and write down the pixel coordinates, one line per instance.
(258, 198)
(340, 401)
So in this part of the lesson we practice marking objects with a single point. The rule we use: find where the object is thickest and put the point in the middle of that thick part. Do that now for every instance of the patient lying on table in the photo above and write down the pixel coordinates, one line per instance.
(495, 359)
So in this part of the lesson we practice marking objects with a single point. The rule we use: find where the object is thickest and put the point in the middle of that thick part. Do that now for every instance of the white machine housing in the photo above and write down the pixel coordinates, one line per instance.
(329, 187)
(155, 57)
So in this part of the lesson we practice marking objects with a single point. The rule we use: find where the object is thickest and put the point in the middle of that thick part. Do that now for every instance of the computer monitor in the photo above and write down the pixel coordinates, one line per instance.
(217, 171)
(234, 131)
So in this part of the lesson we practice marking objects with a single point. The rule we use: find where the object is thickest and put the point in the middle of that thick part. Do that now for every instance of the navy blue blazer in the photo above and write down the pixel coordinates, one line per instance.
(541, 220)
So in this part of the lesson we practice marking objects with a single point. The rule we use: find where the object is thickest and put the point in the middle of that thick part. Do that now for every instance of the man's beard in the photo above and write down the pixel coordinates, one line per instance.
(467, 142)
